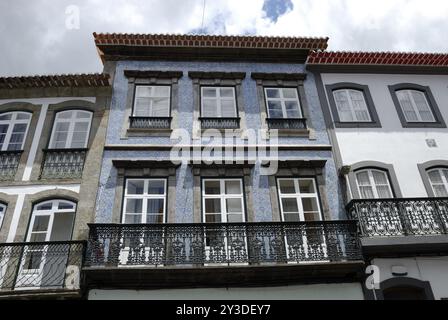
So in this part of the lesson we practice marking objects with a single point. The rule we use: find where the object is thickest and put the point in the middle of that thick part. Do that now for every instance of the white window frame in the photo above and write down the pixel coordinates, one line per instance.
(13, 121)
(298, 196)
(145, 197)
(150, 107)
(372, 184)
(408, 92)
(223, 197)
(442, 175)
(219, 100)
(282, 101)
(351, 105)
(2, 214)
(72, 120)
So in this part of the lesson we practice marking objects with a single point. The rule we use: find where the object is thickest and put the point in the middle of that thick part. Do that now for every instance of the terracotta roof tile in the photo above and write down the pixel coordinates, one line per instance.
(218, 41)
(378, 58)
(64, 80)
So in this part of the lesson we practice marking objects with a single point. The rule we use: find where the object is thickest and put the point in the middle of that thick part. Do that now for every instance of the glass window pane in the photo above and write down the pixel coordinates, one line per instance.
(233, 187)
(38, 237)
(41, 223)
(226, 92)
(292, 109)
(363, 178)
(212, 187)
(155, 206)
(307, 186)
(213, 218)
(228, 108)
(235, 218)
(440, 190)
(406, 105)
(33, 260)
(134, 206)
(310, 204)
(209, 108)
(234, 205)
(83, 115)
(135, 187)
(156, 187)
(343, 106)
(133, 218)
(275, 109)
(290, 205)
(161, 91)
(366, 192)
(62, 226)
(212, 205)
(63, 205)
(311, 216)
(160, 107)
(142, 107)
(143, 91)
(209, 92)
(380, 177)
(273, 93)
(65, 114)
(289, 93)
(44, 206)
(287, 186)
(23, 116)
(154, 218)
(291, 217)
(7, 116)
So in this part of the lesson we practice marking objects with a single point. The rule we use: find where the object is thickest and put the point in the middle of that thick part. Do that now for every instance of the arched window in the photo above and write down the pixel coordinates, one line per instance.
(438, 178)
(2, 214)
(351, 105)
(373, 184)
(71, 129)
(13, 130)
(415, 106)
(52, 220)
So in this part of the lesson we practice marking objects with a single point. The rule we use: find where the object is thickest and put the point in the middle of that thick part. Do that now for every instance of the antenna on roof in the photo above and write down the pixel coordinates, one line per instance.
(203, 13)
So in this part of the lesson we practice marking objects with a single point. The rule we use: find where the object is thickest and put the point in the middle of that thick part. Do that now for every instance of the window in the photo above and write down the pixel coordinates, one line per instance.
(351, 105)
(299, 200)
(2, 214)
(152, 101)
(13, 130)
(438, 178)
(71, 129)
(223, 200)
(218, 102)
(415, 106)
(373, 184)
(144, 201)
(283, 103)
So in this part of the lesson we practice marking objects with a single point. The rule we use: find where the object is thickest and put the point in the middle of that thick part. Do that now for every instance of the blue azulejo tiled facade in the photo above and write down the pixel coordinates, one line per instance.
(120, 146)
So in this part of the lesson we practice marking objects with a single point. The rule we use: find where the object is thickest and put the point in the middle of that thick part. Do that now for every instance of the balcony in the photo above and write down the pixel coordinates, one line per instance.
(287, 123)
(220, 123)
(9, 162)
(150, 122)
(402, 225)
(27, 269)
(220, 254)
(63, 163)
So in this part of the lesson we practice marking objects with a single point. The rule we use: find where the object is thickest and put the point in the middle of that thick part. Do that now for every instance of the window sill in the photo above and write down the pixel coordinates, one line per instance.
(148, 132)
(291, 132)
(355, 125)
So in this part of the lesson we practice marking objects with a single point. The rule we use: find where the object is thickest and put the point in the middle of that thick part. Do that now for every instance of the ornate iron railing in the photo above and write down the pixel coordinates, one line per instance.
(63, 163)
(33, 265)
(203, 244)
(400, 217)
(150, 122)
(220, 123)
(286, 123)
(9, 162)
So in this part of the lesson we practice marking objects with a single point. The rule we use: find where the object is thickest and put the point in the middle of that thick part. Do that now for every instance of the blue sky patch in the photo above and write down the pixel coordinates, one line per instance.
(276, 8)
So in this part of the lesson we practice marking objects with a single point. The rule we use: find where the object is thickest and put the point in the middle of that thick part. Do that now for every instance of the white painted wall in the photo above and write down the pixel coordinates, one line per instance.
(335, 291)
(402, 147)
(432, 269)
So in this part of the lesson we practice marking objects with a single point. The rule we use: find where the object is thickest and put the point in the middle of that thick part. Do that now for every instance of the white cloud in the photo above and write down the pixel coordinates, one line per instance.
(37, 41)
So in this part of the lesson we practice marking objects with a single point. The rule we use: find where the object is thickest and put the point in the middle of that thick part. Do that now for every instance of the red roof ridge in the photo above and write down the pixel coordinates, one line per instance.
(55, 80)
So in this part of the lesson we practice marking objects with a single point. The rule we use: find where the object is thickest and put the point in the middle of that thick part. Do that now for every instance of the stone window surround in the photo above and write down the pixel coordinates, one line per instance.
(203, 171)
(300, 169)
(151, 77)
(53, 109)
(35, 111)
(423, 169)
(375, 121)
(145, 169)
(387, 168)
(280, 80)
(217, 79)
(10, 202)
(439, 122)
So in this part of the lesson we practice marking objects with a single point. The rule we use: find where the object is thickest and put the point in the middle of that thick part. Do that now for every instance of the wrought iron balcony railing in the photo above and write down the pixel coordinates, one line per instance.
(9, 162)
(150, 122)
(63, 163)
(220, 123)
(40, 265)
(400, 217)
(207, 244)
(286, 123)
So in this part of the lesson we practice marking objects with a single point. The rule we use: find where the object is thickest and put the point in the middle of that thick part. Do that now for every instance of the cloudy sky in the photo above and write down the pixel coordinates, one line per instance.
(43, 36)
